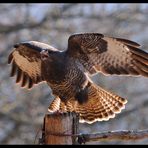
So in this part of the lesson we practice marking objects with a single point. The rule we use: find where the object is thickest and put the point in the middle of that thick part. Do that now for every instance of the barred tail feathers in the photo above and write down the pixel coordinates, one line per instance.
(100, 106)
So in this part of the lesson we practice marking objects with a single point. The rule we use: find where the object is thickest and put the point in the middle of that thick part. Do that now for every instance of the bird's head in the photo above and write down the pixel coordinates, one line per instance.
(44, 54)
(48, 54)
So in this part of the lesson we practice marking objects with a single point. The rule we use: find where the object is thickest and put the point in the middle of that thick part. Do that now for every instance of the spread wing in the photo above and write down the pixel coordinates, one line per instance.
(26, 62)
(108, 55)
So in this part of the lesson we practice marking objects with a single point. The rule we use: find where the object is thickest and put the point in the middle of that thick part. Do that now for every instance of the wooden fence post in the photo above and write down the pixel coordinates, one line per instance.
(59, 128)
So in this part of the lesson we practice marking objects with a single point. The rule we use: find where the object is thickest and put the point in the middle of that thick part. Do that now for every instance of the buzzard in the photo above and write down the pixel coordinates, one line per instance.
(68, 72)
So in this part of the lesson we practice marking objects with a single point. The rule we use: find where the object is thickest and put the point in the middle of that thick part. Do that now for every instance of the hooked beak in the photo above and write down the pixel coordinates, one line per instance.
(44, 54)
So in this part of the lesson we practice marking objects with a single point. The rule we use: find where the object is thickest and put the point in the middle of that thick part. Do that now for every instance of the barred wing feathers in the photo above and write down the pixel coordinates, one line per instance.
(108, 55)
(26, 63)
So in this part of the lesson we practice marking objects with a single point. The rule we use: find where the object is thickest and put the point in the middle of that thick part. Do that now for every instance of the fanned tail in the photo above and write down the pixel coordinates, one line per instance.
(100, 106)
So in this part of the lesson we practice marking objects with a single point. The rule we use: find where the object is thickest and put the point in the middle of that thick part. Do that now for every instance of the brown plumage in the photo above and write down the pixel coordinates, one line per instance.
(67, 72)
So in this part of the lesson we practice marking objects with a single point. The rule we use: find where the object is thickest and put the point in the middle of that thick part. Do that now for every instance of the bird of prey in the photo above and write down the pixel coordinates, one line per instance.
(68, 72)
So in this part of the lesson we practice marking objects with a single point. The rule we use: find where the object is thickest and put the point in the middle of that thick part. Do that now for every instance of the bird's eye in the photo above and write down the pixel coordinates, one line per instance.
(47, 51)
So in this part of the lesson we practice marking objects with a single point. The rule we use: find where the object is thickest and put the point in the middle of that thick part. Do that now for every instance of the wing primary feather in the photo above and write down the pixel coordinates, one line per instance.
(19, 75)
(141, 66)
(138, 52)
(24, 79)
(10, 58)
(138, 58)
(140, 71)
(132, 71)
(13, 69)
(128, 42)
(30, 84)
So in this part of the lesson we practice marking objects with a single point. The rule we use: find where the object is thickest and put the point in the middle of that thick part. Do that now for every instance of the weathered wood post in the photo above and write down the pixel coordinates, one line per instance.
(60, 128)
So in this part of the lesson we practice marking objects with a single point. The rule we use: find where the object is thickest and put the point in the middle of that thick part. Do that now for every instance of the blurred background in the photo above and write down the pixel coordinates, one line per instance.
(22, 111)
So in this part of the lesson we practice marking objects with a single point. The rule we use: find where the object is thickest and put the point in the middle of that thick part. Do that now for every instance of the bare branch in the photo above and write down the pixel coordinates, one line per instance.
(114, 135)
